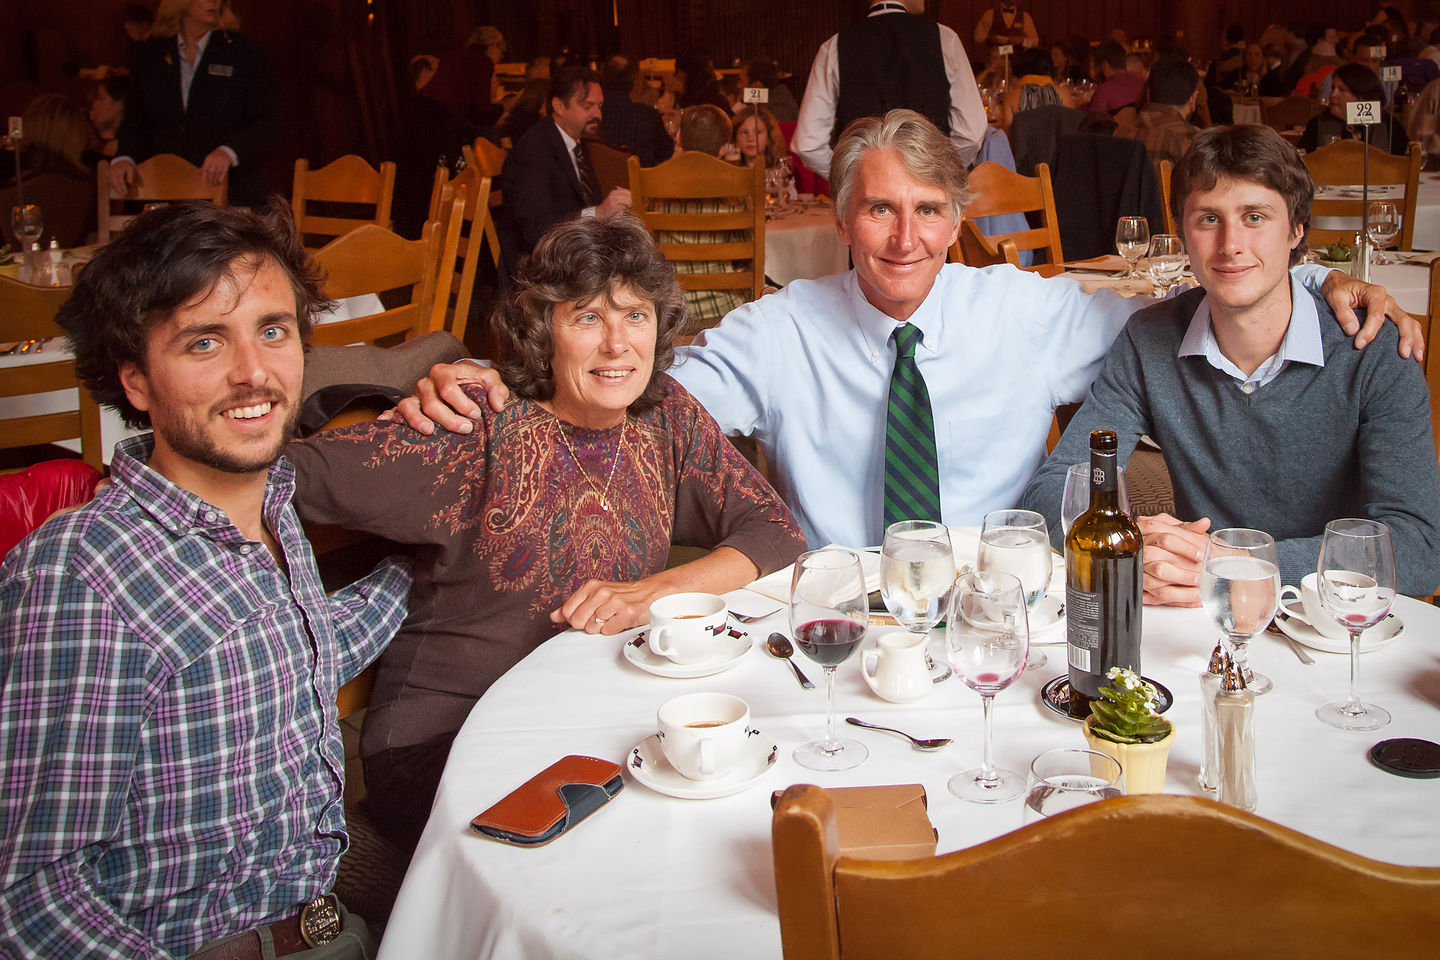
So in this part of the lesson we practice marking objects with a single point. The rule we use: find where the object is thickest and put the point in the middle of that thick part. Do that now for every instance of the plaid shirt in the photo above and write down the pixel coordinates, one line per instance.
(1165, 133)
(172, 764)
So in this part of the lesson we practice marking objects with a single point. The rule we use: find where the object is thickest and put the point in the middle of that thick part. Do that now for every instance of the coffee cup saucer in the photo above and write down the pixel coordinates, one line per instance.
(1048, 620)
(732, 650)
(647, 764)
(1301, 632)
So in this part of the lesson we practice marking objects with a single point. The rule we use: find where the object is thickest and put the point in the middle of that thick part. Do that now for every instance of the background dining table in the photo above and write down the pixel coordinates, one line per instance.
(654, 876)
(804, 244)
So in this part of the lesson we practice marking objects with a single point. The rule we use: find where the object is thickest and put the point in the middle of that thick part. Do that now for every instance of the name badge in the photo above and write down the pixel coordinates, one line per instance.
(220, 70)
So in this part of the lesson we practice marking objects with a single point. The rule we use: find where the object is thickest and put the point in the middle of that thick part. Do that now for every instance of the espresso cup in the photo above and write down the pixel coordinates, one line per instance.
(703, 735)
(1308, 593)
(686, 627)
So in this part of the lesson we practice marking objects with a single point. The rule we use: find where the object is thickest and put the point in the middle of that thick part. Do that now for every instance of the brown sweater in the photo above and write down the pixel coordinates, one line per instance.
(506, 526)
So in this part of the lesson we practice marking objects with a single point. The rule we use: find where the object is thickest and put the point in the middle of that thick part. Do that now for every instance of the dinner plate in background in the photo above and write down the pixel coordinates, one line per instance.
(1302, 633)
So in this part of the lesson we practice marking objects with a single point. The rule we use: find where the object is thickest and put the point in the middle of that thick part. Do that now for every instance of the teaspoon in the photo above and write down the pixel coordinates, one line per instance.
(933, 744)
(778, 646)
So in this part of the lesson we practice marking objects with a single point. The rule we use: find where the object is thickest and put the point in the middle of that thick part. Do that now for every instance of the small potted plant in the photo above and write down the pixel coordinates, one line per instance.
(1123, 724)
(1337, 256)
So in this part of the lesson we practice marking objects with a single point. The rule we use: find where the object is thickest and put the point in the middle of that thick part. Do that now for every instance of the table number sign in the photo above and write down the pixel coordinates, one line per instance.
(756, 95)
(1390, 74)
(1005, 49)
(1362, 112)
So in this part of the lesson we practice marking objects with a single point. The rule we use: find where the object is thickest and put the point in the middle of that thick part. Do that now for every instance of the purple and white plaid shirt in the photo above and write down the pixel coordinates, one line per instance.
(170, 761)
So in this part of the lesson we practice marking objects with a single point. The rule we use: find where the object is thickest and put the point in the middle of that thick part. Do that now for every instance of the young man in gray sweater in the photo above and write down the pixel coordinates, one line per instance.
(1267, 416)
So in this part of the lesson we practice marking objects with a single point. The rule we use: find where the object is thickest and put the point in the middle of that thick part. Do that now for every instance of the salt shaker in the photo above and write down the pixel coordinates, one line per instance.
(1210, 682)
(1235, 739)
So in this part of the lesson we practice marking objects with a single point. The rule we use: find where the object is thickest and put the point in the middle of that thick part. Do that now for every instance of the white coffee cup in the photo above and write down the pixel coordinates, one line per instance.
(896, 669)
(1308, 593)
(703, 735)
(686, 627)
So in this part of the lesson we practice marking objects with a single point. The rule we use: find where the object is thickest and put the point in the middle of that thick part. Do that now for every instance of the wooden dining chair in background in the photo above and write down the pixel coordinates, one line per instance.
(1002, 191)
(1291, 112)
(28, 313)
(1342, 164)
(489, 159)
(350, 180)
(973, 248)
(473, 190)
(1103, 875)
(374, 260)
(163, 178)
(611, 163)
(1163, 171)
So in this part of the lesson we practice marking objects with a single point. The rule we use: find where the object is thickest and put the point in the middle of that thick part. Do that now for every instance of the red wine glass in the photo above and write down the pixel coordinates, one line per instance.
(829, 610)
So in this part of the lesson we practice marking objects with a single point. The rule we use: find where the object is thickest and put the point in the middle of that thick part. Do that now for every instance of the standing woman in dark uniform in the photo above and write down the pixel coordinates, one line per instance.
(203, 91)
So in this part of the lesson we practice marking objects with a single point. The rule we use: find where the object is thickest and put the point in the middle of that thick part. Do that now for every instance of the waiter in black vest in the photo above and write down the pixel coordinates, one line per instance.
(893, 58)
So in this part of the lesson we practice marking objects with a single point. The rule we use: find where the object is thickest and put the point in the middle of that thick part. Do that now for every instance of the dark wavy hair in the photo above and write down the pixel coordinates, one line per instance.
(574, 262)
(163, 260)
(1246, 151)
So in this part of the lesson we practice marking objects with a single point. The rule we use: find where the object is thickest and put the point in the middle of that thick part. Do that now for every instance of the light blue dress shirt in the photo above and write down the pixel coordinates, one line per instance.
(1302, 342)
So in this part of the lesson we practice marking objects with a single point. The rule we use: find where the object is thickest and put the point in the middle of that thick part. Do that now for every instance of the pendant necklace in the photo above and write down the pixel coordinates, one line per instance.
(614, 462)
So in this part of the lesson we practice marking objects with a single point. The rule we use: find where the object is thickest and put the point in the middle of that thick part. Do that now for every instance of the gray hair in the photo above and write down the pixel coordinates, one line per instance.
(928, 155)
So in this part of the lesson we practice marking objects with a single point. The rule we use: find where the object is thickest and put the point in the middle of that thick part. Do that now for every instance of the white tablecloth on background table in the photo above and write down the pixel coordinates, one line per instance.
(652, 876)
(804, 246)
(1427, 210)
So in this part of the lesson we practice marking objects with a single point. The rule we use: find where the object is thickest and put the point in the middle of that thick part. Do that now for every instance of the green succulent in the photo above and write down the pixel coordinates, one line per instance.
(1125, 712)
(1338, 252)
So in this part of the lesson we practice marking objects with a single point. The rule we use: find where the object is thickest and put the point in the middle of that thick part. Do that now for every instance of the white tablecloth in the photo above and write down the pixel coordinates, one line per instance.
(652, 876)
(1427, 210)
(804, 246)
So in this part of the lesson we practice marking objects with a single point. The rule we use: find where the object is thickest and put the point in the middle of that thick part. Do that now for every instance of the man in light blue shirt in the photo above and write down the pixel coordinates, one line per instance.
(806, 371)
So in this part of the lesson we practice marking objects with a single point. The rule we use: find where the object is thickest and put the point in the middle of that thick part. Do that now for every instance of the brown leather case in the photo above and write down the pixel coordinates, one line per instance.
(551, 802)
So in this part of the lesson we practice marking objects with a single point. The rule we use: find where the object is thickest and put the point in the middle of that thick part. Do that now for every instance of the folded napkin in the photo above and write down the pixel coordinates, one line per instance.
(1108, 263)
(1125, 286)
(1423, 258)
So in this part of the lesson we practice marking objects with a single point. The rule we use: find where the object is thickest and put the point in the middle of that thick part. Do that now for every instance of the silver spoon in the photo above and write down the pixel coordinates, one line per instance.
(778, 646)
(933, 744)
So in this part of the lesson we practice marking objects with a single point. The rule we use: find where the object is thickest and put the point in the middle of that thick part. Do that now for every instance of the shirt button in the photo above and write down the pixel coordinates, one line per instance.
(874, 353)
(1248, 388)
(209, 516)
(245, 550)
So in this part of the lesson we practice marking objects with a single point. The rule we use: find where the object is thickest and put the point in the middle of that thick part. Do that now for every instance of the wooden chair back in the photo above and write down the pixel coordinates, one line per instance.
(163, 178)
(464, 235)
(489, 160)
(975, 249)
(348, 180)
(374, 260)
(1001, 190)
(1163, 171)
(1341, 164)
(612, 164)
(1164, 860)
(28, 313)
(694, 176)
(1291, 112)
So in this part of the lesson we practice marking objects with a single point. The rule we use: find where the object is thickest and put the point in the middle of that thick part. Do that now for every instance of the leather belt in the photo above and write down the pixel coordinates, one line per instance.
(314, 925)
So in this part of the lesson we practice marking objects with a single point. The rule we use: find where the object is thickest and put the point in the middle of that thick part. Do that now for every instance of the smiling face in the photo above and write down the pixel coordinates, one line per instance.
(1239, 237)
(603, 355)
(750, 140)
(579, 116)
(222, 378)
(899, 231)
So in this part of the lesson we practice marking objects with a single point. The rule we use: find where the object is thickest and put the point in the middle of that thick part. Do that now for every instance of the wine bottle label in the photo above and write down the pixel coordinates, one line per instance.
(1082, 629)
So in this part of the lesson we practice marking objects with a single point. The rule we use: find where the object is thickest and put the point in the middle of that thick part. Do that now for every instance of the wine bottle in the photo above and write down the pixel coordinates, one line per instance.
(1103, 582)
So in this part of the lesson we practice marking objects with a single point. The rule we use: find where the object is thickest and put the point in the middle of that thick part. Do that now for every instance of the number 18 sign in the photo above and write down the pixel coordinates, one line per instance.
(1362, 112)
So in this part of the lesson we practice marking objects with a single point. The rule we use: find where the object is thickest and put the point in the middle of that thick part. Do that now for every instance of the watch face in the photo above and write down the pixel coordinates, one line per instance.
(1407, 757)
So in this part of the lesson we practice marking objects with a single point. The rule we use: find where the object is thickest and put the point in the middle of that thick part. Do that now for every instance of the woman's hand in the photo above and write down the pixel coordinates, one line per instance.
(608, 608)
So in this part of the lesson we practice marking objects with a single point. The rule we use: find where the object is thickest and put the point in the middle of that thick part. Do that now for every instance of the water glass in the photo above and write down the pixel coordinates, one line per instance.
(1167, 261)
(1240, 589)
(1017, 542)
(1132, 239)
(1076, 499)
(1065, 779)
(1383, 226)
(27, 223)
(917, 567)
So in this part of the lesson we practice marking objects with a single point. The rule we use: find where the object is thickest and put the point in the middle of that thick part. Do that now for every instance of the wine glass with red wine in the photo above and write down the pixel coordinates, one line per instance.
(987, 635)
(829, 610)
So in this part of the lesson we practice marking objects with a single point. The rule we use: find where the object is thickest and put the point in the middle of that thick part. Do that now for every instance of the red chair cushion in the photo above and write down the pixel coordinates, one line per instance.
(29, 497)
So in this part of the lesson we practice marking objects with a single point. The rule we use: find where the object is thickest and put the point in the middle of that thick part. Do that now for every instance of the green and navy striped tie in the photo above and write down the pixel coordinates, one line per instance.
(912, 474)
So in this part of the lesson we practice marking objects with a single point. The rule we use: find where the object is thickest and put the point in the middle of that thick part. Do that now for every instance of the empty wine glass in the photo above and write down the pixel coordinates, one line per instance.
(1167, 261)
(829, 610)
(27, 223)
(1240, 587)
(1383, 226)
(1076, 499)
(1357, 587)
(1132, 239)
(986, 634)
(1017, 542)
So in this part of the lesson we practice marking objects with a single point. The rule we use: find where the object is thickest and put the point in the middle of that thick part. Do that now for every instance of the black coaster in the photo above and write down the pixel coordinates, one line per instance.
(1056, 695)
(1407, 757)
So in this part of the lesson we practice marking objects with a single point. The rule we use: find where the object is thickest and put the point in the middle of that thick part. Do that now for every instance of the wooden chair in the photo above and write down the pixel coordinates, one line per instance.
(611, 164)
(161, 179)
(1001, 190)
(374, 260)
(348, 180)
(698, 176)
(1291, 112)
(1163, 171)
(490, 160)
(473, 190)
(1128, 878)
(1341, 164)
(28, 313)
(975, 249)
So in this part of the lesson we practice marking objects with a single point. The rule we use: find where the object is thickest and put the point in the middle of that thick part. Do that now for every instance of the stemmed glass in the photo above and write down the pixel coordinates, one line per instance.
(27, 223)
(986, 634)
(1076, 499)
(1167, 261)
(1357, 587)
(917, 567)
(829, 610)
(1017, 542)
(1240, 587)
(1383, 220)
(1132, 239)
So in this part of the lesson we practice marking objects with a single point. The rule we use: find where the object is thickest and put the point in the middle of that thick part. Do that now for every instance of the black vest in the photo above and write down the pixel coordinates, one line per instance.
(891, 61)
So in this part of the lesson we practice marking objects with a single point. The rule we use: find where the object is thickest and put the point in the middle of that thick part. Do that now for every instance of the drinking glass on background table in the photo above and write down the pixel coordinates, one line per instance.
(1357, 587)
(27, 223)
(986, 636)
(829, 610)
(1017, 542)
(1167, 261)
(1065, 779)
(1383, 225)
(1076, 499)
(1240, 589)
(1132, 239)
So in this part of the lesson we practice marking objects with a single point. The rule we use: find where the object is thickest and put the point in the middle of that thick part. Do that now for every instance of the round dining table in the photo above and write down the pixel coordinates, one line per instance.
(650, 875)
(804, 244)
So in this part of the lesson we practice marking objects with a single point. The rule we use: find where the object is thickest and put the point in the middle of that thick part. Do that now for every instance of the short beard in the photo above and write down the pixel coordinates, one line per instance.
(194, 446)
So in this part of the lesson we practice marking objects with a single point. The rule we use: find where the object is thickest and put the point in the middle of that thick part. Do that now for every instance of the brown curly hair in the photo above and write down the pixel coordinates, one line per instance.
(575, 262)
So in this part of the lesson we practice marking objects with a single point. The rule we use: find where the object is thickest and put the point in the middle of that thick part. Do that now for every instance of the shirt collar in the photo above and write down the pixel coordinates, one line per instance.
(200, 46)
(878, 327)
(565, 138)
(1302, 342)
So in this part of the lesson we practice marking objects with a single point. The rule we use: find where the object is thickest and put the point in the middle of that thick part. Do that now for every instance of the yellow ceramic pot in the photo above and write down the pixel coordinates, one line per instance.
(1142, 763)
